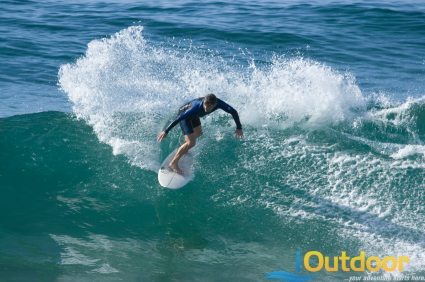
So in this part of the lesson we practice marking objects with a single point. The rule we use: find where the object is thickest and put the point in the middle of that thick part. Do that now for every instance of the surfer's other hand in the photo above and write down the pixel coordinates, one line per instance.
(239, 133)
(161, 136)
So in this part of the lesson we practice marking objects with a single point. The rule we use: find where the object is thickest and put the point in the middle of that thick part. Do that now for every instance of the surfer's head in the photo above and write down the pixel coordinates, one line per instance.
(210, 101)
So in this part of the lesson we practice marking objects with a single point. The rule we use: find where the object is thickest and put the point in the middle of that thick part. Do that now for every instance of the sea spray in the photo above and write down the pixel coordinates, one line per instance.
(128, 88)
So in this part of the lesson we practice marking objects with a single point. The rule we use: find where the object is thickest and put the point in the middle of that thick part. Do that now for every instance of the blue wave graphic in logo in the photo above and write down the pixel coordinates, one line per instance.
(288, 277)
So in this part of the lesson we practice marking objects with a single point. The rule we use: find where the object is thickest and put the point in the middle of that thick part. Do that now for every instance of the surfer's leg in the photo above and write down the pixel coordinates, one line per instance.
(190, 142)
(191, 129)
(197, 131)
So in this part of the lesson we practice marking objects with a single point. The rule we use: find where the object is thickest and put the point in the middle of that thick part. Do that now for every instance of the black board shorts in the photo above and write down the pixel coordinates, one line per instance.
(187, 125)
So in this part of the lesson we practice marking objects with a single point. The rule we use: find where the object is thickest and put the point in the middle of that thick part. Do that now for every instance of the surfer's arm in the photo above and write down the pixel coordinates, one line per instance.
(164, 133)
(171, 125)
(228, 109)
(179, 118)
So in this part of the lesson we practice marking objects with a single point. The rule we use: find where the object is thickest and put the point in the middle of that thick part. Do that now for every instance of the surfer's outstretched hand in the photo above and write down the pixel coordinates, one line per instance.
(239, 133)
(161, 136)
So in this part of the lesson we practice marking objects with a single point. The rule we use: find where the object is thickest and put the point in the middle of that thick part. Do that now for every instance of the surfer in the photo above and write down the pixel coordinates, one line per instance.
(188, 117)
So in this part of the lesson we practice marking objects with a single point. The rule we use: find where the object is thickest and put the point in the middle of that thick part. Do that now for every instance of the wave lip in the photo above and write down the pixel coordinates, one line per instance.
(299, 91)
(107, 86)
(126, 87)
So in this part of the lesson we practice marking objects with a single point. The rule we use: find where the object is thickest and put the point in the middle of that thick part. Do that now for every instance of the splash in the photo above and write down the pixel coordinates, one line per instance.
(300, 92)
(126, 88)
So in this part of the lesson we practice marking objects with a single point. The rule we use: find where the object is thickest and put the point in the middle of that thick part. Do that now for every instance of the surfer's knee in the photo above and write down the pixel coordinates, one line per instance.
(198, 131)
(190, 142)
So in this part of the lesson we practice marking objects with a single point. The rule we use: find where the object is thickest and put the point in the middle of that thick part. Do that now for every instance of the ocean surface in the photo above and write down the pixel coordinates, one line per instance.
(331, 96)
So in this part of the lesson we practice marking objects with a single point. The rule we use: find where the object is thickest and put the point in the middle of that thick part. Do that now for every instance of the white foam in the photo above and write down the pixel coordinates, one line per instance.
(400, 115)
(399, 111)
(409, 150)
(296, 90)
(105, 269)
(126, 87)
(358, 193)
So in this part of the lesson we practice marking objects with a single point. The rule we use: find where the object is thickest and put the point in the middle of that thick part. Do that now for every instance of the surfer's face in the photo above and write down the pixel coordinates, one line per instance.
(208, 107)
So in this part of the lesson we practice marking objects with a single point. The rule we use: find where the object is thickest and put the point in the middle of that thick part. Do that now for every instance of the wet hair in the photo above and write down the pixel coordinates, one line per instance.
(210, 99)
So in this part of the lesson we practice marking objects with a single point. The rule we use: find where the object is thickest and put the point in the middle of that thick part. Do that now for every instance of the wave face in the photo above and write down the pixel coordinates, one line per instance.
(71, 205)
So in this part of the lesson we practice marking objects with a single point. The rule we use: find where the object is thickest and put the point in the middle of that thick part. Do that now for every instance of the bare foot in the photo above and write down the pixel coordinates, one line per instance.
(175, 168)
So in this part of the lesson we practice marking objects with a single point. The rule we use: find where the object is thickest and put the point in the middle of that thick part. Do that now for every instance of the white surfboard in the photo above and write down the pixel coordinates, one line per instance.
(169, 179)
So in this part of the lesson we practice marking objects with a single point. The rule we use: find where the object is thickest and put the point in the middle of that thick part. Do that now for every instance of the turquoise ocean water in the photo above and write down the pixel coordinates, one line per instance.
(331, 96)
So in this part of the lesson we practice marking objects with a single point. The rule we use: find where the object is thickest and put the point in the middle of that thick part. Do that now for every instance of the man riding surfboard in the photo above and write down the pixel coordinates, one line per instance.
(188, 117)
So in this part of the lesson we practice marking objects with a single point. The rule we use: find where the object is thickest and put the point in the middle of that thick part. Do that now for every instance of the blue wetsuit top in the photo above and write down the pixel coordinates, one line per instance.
(195, 108)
